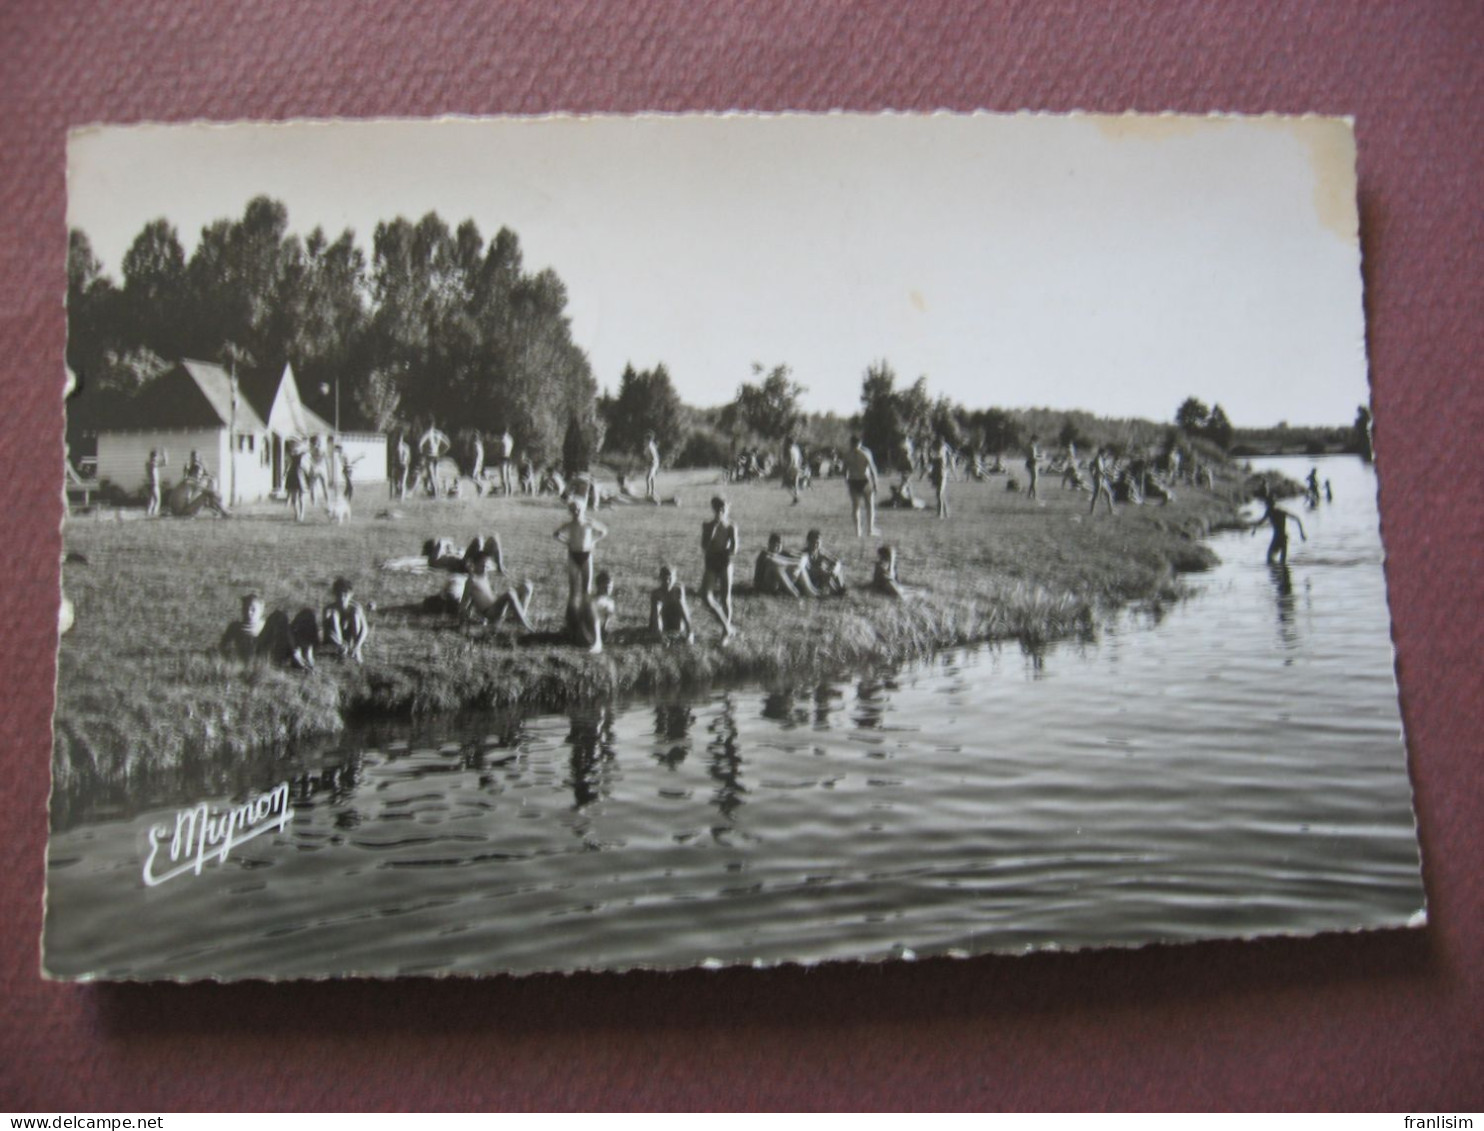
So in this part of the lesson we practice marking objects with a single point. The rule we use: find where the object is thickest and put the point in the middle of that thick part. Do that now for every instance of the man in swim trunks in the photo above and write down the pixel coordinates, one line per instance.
(505, 450)
(580, 535)
(860, 479)
(432, 446)
(1102, 481)
(669, 616)
(1033, 468)
(719, 539)
(825, 571)
(652, 451)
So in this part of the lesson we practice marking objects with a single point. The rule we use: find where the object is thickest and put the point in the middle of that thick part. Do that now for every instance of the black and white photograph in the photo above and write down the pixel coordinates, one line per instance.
(607, 543)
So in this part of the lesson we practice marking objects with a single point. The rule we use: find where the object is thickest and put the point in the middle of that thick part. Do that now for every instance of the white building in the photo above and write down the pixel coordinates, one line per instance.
(240, 433)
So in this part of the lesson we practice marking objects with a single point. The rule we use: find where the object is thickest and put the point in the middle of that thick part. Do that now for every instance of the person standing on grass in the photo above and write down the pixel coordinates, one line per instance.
(793, 467)
(1033, 468)
(938, 473)
(1102, 485)
(1279, 519)
(595, 613)
(860, 481)
(158, 458)
(476, 462)
(581, 536)
(432, 446)
(719, 540)
(506, 454)
(652, 451)
(669, 616)
(401, 467)
(316, 470)
(295, 478)
(347, 466)
(344, 625)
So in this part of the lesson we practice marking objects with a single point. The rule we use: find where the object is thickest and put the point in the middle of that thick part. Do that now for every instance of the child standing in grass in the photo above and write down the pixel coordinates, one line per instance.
(1101, 485)
(719, 539)
(581, 536)
(157, 459)
(595, 612)
(669, 616)
(938, 471)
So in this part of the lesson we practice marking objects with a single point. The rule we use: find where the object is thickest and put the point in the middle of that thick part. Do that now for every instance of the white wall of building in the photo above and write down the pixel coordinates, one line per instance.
(122, 455)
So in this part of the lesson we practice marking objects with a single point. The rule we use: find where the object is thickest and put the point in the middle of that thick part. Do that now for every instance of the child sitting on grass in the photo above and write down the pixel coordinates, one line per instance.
(271, 637)
(669, 616)
(778, 573)
(345, 626)
(479, 603)
(596, 611)
(884, 579)
(826, 572)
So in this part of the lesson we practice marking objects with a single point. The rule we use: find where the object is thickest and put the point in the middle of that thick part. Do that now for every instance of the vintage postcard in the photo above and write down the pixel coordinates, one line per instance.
(604, 543)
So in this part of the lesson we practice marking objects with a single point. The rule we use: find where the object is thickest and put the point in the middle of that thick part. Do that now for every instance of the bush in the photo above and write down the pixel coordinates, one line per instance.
(703, 448)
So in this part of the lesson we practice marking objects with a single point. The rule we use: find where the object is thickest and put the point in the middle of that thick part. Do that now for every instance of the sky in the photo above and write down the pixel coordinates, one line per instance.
(1113, 264)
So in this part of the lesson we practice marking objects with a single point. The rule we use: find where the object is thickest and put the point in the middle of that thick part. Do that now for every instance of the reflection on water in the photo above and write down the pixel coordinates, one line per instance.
(1228, 766)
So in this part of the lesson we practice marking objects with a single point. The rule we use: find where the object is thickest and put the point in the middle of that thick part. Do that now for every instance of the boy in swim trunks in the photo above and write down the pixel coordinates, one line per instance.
(480, 605)
(345, 626)
(778, 573)
(825, 571)
(271, 637)
(860, 479)
(669, 616)
(595, 612)
(581, 535)
(719, 539)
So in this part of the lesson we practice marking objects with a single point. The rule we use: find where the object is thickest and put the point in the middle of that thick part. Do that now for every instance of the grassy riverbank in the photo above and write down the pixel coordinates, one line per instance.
(140, 684)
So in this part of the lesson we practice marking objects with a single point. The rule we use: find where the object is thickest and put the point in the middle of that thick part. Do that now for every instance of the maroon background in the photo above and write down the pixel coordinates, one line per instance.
(1381, 1021)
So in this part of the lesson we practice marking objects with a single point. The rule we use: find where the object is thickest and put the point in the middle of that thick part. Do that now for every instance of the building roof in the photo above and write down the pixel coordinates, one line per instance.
(198, 394)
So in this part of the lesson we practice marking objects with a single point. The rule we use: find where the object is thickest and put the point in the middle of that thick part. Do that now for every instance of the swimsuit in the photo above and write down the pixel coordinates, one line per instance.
(580, 558)
(858, 486)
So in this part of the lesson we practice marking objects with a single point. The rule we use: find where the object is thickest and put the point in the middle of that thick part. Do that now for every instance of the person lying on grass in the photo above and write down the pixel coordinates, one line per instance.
(669, 616)
(480, 604)
(902, 497)
(591, 618)
(779, 573)
(345, 626)
(581, 536)
(486, 547)
(271, 637)
(826, 572)
(719, 540)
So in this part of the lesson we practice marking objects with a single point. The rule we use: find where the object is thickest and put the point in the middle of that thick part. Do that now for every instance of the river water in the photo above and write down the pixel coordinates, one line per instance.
(1233, 767)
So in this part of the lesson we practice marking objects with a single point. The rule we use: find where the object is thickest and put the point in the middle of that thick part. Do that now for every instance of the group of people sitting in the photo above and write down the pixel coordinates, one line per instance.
(341, 628)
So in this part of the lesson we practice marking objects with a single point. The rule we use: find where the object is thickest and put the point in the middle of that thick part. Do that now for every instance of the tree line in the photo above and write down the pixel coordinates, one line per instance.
(438, 326)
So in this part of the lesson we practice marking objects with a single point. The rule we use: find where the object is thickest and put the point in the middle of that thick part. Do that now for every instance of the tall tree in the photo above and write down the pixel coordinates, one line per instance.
(880, 421)
(156, 297)
(1192, 415)
(646, 402)
(93, 309)
(770, 408)
(1218, 428)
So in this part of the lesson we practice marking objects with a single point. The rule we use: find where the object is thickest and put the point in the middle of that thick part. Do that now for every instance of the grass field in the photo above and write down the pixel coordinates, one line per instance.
(141, 685)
